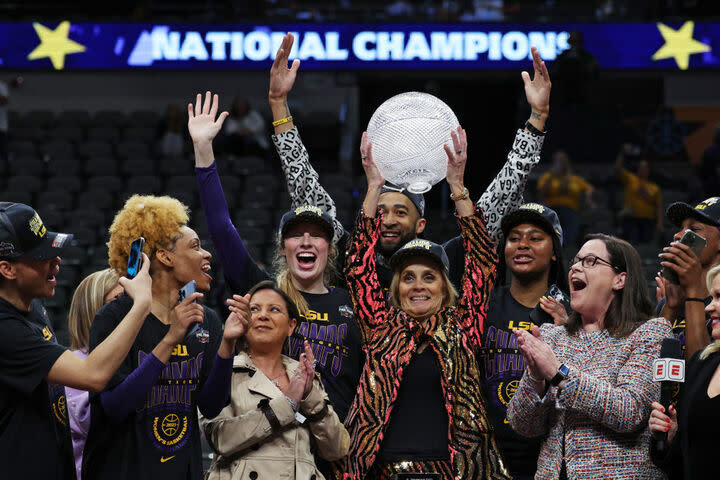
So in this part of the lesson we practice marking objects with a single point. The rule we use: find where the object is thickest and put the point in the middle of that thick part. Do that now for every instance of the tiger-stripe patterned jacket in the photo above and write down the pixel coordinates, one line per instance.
(392, 338)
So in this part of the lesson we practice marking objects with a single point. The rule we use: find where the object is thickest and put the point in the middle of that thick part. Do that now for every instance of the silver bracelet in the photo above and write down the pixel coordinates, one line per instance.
(292, 403)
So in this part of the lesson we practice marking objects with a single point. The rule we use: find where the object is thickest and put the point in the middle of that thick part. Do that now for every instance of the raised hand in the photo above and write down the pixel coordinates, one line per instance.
(237, 322)
(372, 173)
(555, 309)
(202, 124)
(457, 158)
(282, 78)
(537, 90)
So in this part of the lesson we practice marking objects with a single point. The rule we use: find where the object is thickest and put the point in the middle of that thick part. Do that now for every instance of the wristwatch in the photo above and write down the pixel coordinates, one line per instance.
(561, 375)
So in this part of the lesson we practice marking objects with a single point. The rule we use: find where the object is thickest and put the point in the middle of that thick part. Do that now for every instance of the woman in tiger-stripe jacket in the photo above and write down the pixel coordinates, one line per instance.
(419, 406)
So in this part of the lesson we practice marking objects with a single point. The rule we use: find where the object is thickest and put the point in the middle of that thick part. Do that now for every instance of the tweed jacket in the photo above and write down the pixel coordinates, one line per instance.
(392, 339)
(244, 441)
(598, 416)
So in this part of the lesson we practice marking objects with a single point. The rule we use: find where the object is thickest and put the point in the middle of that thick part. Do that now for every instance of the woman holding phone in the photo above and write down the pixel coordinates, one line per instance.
(304, 266)
(144, 424)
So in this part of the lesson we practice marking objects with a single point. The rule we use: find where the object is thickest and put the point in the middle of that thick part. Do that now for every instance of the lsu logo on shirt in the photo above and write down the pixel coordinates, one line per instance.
(47, 333)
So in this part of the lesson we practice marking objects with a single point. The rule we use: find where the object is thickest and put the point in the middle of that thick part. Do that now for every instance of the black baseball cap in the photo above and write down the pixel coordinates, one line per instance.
(537, 214)
(418, 199)
(307, 214)
(422, 247)
(23, 234)
(707, 211)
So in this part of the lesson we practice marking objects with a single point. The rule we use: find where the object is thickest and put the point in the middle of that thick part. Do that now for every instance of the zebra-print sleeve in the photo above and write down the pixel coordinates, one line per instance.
(303, 182)
(365, 290)
(505, 192)
(479, 276)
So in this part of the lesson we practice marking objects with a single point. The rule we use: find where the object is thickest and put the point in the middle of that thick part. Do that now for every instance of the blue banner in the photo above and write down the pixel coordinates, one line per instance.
(129, 46)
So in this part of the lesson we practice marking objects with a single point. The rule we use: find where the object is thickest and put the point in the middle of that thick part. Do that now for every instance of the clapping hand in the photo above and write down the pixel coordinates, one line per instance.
(202, 124)
(541, 361)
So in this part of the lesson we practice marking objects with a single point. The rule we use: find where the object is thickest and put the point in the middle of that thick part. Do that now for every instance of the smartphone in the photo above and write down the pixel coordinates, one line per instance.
(696, 244)
(186, 291)
(135, 258)
(539, 316)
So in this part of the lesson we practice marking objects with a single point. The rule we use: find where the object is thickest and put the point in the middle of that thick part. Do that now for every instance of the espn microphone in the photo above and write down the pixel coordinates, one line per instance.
(669, 370)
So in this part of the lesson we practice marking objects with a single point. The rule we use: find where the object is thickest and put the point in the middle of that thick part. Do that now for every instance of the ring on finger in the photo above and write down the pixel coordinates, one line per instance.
(363, 156)
(458, 152)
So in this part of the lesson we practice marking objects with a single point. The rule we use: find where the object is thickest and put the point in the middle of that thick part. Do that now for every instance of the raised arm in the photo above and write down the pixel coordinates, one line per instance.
(505, 192)
(240, 269)
(303, 182)
(360, 271)
(480, 258)
(94, 372)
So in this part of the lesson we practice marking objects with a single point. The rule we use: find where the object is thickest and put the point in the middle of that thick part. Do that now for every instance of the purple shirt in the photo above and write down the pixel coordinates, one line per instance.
(78, 406)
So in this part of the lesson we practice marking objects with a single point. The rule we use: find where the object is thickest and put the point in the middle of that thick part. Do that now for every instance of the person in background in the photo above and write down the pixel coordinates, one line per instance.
(35, 438)
(683, 305)
(171, 136)
(278, 415)
(642, 212)
(144, 424)
(691, 427)
(403, 211)
(91, 294)
(532, 253)
(563, 191)
(710, 165)
(419, 407)
(245, 130)
(588, 385)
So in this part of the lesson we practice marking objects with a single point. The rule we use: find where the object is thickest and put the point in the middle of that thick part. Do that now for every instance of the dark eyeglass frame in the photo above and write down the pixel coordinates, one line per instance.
(590, 260)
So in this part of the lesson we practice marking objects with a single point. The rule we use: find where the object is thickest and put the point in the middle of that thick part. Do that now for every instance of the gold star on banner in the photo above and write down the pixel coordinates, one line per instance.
(55, 44)
(679, 44)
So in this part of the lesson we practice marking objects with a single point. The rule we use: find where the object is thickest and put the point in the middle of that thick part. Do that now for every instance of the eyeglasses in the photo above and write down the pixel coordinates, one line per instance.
(590, 260)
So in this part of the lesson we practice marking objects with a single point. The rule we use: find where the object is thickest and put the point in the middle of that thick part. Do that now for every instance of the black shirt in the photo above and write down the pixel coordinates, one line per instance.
(418, 427)
(502, 366)
(34, 433)
(160, 439)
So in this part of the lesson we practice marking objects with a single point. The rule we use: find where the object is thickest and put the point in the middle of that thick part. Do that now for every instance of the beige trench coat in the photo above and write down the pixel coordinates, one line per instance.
(246, 446)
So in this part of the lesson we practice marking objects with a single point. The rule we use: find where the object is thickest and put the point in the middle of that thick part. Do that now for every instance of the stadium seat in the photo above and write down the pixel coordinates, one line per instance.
(101, 165)
(28, 183)
(26, 165)
(64, 165)
(70, 133)
(101, 199)
(135, 165)
(73, 118)
(18, 196)
(95, 149)
(139, 134)
(58, 199)
(144, 119)
(107, 134)
(252, 217)
(39, 118)
(104, 182)
(144, 184)
(21, 147)
(109, 118)
(128, 149)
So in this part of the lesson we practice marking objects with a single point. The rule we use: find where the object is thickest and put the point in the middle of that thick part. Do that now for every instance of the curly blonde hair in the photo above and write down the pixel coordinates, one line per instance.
(88, 298)
(158, 219)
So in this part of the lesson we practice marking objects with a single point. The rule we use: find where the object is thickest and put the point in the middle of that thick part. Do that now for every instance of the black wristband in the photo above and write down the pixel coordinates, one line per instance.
(264, 405)
(695, 299)
(532, 129)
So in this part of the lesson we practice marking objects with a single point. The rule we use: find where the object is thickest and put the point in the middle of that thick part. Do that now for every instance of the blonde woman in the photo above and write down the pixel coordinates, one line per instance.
(692, 428)
(94, 291)
(304, 264)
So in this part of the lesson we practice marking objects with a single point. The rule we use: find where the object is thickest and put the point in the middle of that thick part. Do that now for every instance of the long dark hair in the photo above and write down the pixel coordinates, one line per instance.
(631, 305)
